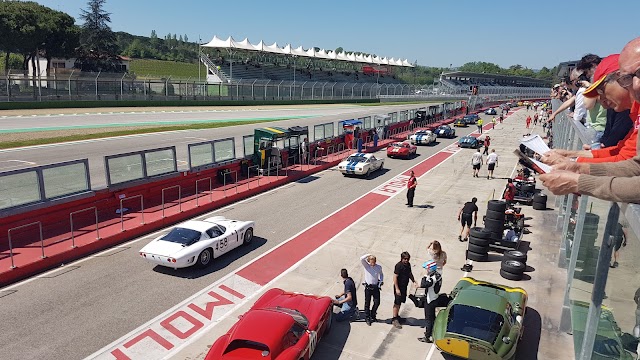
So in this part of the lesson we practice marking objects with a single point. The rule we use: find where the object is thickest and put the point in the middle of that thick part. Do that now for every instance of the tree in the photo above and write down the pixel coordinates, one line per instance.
(153, 40)
(98, 50)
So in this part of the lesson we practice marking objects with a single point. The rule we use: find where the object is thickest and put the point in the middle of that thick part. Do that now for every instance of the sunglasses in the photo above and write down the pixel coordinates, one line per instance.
(614, 76)
(627, 80)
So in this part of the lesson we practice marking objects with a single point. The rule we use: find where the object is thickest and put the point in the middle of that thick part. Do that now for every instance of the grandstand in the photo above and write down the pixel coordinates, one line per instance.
(233, 61)
(461, 82)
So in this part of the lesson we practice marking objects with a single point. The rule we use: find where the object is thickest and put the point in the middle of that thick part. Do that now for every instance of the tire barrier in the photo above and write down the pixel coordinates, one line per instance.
(497, 205)
(539, 202)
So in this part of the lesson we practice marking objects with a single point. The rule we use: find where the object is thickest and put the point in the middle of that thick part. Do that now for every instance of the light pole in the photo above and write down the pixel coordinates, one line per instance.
(199, 56)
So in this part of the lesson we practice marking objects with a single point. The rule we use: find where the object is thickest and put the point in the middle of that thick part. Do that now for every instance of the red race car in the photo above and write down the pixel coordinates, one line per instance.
(401, 149)
(279, 326)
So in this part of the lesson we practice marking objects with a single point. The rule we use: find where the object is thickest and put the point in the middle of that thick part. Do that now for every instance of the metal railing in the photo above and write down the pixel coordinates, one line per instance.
(122, 209)
(583, 220)
(210, 189)
(179, 197)
(13, 265)
(73, 238)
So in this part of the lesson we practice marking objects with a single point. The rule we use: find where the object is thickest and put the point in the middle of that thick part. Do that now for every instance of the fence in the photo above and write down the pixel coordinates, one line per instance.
(598, 309)
(72, 85)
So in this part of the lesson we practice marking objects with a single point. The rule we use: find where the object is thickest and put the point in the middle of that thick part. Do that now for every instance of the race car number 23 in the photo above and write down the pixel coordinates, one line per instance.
(222, 244)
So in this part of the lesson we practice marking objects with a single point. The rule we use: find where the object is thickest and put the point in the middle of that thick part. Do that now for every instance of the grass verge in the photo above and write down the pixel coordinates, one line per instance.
(107, 133)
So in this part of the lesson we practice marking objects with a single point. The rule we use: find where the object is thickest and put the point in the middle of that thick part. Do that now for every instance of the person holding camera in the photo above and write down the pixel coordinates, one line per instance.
(373, 280)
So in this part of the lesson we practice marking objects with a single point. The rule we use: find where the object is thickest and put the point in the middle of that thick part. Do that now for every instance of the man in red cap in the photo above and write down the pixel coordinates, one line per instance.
(619, 181)
(619, 130)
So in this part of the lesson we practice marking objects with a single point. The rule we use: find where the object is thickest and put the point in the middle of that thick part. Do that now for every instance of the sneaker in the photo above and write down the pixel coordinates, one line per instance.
(374, 319)
(368, 321)
(487, 177)
(396, 324)
(425, 339)
(614, 265)
(459, 237)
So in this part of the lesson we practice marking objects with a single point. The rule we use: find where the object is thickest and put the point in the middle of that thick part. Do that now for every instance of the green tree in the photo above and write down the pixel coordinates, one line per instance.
(153, 40)
(98, 50)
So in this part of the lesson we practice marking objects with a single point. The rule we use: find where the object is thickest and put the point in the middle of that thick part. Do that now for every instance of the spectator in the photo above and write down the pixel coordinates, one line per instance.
(436, 254)
(575, 82)
(401, 275)
(373, 280)
(492, 162)
(476, 162)
(467, 214)
(432, 282)
(619, 128)
(487, 143)
(509, 192)
(411, 188)
(347, 301)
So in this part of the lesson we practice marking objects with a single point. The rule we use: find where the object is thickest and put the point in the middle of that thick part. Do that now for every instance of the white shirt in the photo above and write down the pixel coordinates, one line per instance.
(372, 274)
(476, 158)
(492, 158)
(580, 112)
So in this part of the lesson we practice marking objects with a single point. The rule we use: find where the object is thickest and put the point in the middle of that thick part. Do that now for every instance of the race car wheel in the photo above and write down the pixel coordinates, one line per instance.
(204, 259)
(327, 328)
(368, 174)
(495, 215)
(513, 266)
(477, 257)
(497, 205)
(510, 276)
(515, 255)
(478, 249)
(479, 233)
(479, 242)
(248, 236)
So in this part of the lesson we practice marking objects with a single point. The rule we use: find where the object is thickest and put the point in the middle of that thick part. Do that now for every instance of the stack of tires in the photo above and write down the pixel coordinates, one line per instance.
(479, 240)
(494, 220)
(514, 263)
(539, 201)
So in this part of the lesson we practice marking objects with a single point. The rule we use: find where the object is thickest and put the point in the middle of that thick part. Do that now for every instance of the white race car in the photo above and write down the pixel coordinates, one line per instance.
(423, 137)
(198, 242)
(360, 164)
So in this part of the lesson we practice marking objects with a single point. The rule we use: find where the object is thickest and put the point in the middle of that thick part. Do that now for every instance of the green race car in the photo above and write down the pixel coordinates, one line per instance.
(482, 322)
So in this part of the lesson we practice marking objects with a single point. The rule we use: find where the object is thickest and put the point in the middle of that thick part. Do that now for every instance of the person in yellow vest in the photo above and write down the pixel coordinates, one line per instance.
(479, 123)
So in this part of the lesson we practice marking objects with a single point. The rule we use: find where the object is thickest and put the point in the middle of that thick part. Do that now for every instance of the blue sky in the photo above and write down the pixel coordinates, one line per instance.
(433, 32)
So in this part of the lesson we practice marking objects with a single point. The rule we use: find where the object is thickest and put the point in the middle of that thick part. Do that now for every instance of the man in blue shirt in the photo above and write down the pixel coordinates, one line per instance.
(347, 301)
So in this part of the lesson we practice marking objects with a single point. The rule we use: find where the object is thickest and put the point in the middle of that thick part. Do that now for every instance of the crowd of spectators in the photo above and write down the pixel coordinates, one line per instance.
(605, 96)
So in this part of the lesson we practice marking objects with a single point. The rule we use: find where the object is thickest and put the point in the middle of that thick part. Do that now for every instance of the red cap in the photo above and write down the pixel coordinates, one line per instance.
(606, 67)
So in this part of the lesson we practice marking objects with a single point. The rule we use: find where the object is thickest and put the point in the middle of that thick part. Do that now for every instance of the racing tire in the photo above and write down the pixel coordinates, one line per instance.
(205, 257)
(497, 235)
(479, 242)
(495, 215)
(513, 266)
(515, 255)
(497, 205)
(478, 249)
(327, 329)
(538, 206)
(368, 174)
(479, 233)
(529, 188)
(248, 236)
(510, 276)
(477, 257)
(494, 225)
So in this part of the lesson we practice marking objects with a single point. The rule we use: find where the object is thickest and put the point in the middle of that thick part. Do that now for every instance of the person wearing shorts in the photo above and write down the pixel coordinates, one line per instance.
(476, 162)
(620, 240)
(492, 162)
(401, 275)
(467, 214)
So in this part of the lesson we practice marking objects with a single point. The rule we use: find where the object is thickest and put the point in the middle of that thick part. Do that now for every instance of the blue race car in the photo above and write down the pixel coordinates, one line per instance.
(469, 142)
(445, 131)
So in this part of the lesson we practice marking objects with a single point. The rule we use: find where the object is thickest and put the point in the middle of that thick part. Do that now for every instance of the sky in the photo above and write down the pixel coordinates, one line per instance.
(436, 33)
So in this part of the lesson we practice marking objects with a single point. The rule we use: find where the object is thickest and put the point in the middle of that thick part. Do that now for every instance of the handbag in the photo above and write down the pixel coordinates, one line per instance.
(419, 297)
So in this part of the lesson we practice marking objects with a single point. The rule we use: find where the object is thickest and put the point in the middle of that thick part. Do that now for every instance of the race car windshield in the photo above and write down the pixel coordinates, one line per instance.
(182, 236)
(474, 322)
(295, 314)
(357, 159)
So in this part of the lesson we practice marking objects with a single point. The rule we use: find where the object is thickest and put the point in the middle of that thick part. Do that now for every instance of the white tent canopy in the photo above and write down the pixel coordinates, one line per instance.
(245, 44)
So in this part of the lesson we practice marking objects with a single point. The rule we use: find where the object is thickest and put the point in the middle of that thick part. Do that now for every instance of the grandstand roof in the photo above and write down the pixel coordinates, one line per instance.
(492, 76)
(230, 43)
